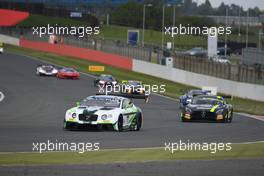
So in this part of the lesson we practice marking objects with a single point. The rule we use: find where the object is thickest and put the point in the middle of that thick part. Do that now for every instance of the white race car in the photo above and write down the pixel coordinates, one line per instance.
(47, 70)
(113, 112)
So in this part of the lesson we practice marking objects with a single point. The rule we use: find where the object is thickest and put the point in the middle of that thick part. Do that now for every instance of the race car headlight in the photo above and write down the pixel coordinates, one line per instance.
(74, 115)
(105, 116)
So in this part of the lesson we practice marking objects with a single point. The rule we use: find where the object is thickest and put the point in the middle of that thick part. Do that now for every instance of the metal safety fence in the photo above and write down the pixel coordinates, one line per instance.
(236, 72)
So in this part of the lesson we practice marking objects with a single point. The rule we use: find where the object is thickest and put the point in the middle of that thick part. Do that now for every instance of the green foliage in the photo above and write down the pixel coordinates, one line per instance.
(239, 151)
(131, 14)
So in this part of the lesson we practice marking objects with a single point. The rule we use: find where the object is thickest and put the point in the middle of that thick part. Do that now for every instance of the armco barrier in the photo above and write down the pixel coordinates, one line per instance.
(82, 53)
(9, 40)
(239, 89)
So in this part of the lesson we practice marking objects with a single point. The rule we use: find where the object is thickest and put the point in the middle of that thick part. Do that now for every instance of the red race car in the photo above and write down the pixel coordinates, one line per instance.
(68, 73)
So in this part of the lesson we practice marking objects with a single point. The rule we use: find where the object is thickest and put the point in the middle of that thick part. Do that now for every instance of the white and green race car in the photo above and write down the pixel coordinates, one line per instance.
(113, 112)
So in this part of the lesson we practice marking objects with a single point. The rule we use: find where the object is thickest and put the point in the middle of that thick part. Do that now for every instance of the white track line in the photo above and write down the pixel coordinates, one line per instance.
(2, 96)
(261, 118)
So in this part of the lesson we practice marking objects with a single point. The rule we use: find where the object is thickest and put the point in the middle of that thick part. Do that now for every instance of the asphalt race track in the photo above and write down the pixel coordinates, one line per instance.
(34, 108)
(239, 167)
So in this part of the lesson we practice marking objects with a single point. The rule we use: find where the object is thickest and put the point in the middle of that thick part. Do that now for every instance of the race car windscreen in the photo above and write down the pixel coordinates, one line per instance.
(104, 102)
(107, 78)
(47, 67)
(205, 101)
(68, 70)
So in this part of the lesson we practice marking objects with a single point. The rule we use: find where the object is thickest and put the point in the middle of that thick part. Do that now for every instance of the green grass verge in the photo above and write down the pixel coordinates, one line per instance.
(173, 89)
(152, 37)
(130, 155)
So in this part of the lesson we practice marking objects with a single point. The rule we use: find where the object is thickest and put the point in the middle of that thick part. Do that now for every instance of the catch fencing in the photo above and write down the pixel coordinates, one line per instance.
(235, 72)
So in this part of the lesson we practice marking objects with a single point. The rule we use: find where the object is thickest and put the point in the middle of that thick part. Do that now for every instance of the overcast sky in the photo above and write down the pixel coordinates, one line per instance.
(244, 3)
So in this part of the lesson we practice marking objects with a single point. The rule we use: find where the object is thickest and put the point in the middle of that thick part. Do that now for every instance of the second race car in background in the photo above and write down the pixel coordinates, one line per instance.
(134, 88)
(209, 108)
(68, 73)
(47, 70)
(104, 80)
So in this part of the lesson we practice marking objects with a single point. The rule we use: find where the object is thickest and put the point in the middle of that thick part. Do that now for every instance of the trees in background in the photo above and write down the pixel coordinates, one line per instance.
(130, 14)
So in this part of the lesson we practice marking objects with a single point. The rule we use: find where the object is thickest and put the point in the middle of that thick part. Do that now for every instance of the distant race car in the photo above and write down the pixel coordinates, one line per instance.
(104, 80)
(209, 108)
(68, 73)
(221, 59)
(1, 48)
(134, 87)
(187, 97)
(197, 51)
(113, 112)
(47, 70)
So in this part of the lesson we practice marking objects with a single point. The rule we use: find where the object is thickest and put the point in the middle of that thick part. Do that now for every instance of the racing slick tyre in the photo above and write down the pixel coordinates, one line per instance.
(69, 126)
(228, 117)
(137, 123)
(38, 73)
(146, 99)
(120, 123)
(66, 125)
(99, 127)
(183, 120)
